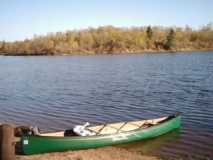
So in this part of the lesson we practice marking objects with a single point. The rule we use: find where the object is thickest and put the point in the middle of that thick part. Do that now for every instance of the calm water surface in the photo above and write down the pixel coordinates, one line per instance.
(62, 91)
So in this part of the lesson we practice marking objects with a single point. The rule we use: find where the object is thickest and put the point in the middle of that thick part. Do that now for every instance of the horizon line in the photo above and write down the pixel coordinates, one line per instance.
(106, 25)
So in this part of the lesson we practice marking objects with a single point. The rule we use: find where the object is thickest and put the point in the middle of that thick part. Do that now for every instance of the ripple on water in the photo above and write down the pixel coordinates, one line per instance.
(60, 92)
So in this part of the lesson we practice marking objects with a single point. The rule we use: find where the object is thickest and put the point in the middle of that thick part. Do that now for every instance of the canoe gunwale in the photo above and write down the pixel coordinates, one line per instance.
(114, 134)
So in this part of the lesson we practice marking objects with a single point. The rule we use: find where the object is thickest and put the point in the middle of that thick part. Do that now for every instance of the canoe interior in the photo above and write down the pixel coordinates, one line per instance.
(113, 128)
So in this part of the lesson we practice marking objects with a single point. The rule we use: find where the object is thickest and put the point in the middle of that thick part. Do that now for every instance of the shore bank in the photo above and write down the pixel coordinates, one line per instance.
(106, 53)
(105, 153)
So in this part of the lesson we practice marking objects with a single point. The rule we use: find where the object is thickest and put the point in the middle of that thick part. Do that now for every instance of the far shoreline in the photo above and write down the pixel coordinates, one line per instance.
(106, 53)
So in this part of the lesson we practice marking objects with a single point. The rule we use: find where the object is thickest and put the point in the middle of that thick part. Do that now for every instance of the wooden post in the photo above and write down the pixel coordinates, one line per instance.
(7, 147)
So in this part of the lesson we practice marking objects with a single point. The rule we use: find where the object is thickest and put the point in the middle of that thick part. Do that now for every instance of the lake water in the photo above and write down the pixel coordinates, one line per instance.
(58, 92)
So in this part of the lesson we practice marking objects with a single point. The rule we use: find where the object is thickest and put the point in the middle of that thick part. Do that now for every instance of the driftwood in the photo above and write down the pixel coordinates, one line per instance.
(7, 145)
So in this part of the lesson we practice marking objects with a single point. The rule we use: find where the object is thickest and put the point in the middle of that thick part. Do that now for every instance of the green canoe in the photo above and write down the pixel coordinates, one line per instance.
(107, 134)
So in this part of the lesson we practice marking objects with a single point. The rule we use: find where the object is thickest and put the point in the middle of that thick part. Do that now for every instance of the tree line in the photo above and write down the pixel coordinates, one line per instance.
(109, 39)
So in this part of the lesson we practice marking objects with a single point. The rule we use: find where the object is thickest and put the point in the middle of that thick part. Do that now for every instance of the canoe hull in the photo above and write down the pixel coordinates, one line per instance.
(40, 144)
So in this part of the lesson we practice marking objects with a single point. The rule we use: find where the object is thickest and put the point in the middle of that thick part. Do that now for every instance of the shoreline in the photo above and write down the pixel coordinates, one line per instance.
(104, 153)
(106, 53)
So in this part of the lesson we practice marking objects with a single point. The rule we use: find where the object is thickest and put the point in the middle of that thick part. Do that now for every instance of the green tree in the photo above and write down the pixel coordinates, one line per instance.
(149, 32)
(170, 40)
(149, 35)
(2, 46)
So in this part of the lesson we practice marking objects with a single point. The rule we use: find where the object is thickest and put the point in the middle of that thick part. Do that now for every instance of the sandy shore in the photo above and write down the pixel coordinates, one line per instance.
(106, 153)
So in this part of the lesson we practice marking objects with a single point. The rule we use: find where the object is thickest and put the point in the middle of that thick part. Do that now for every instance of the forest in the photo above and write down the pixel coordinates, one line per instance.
(112, 40)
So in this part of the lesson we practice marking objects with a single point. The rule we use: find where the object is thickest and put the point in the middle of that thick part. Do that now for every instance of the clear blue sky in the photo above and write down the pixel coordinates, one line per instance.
(20, 19)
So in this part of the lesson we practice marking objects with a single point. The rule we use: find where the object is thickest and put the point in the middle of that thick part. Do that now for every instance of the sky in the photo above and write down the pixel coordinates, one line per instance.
(20, 19)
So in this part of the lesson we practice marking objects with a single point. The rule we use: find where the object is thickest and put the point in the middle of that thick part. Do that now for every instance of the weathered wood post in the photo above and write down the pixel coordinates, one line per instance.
(7, 147)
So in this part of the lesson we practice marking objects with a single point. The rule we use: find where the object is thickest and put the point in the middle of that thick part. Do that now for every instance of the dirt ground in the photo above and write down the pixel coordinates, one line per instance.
(106, 153)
